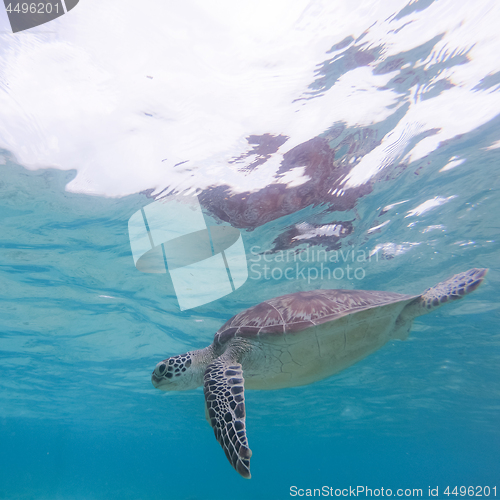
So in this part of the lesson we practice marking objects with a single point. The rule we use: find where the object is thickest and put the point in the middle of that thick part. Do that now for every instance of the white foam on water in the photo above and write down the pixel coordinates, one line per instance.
(495, 145)
(429, 205)
(124, 94)
(454, 162)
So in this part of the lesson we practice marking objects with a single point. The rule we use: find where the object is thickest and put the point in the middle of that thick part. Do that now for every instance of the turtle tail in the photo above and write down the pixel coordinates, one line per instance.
(453, 288)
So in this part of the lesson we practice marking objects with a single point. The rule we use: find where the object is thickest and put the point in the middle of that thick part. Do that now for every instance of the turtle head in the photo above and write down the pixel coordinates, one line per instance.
(177, 373)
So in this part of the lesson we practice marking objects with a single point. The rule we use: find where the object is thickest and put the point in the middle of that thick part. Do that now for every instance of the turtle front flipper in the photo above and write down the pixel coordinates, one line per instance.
(225, 403)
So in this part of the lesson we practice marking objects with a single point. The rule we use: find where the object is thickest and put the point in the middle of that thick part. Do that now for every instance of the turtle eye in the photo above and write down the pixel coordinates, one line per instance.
(161, 369)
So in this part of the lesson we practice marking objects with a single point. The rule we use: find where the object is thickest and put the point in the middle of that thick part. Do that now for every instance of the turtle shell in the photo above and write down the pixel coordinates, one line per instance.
(301, 310)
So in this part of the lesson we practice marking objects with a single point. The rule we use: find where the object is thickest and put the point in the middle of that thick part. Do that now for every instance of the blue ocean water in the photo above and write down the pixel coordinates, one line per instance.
(82, 328)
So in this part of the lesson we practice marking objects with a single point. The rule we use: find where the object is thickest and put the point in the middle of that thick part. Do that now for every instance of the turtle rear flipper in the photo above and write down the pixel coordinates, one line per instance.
(451, 289)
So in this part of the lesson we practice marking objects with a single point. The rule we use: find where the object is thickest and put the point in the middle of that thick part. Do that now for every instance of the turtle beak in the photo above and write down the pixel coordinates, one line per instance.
(155, 380)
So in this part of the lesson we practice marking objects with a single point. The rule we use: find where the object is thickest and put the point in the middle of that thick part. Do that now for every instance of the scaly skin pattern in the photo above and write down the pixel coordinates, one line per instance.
(294, 340)
(453, 288)
(175, 366)
(225, 399)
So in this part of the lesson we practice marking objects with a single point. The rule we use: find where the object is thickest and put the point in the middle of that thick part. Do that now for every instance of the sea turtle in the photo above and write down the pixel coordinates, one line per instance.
(295, 340)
